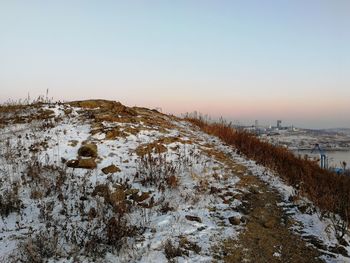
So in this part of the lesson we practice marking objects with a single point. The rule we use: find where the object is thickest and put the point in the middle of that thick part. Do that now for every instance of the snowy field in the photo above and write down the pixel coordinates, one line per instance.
(168, 194)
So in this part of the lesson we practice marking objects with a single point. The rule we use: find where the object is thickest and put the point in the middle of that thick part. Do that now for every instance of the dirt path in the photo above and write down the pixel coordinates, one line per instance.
(267, 237)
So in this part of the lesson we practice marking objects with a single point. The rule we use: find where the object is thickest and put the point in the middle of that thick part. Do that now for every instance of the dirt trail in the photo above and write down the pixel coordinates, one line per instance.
(267, 237)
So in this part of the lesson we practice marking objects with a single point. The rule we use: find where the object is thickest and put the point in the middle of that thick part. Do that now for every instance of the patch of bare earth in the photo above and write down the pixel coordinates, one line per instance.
(267, 236)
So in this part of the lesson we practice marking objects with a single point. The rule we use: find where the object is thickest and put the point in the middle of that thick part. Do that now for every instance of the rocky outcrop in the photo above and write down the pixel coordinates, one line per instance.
(234, 220)
(110, 169)
(88, 150)
(88, 163)
(86, 157)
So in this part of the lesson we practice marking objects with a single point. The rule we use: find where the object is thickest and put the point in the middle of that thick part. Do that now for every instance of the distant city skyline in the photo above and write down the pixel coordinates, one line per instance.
(243, 60)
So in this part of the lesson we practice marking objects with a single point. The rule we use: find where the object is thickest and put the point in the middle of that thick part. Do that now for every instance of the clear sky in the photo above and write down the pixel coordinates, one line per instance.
(244, 60)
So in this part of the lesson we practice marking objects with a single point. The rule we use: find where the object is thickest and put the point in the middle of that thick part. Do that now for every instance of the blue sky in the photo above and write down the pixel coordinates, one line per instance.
(244, 60)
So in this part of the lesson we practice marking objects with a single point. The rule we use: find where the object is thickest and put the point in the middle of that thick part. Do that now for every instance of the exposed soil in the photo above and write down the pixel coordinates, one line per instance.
(267, 237)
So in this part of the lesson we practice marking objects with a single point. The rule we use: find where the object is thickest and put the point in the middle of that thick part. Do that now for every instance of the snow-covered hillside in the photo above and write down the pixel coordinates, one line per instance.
(96, 181)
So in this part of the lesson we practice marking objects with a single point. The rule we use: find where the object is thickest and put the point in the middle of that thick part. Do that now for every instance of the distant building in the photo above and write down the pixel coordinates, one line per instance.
(256, 124)
(279, 124)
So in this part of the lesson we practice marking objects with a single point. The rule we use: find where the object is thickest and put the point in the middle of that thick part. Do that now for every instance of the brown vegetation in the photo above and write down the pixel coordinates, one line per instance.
(329, 191)
(9, 202)
(158, 146)
(157, 171)
(183, 247)
(112, 111)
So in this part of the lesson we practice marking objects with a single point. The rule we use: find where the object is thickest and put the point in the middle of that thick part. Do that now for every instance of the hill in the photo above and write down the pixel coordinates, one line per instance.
(97, 181)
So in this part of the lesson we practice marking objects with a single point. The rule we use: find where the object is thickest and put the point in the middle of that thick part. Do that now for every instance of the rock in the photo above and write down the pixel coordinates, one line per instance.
(193, 218)
(110, 169)
(269, 223)
(87, 163)
(82, 163)
(88, 150)
(234, 220)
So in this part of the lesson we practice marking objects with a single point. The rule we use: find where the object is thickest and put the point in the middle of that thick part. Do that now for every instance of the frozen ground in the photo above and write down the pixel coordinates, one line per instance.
(172, 195)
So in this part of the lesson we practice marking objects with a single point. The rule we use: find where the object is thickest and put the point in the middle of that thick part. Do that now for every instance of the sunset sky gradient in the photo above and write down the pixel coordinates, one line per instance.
(243, 60)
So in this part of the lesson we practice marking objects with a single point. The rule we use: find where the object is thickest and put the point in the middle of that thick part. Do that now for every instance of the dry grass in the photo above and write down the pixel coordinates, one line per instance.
(159, 146)
(111, 111)
(184, 246)
(9, 202)
(157, 171)
(329, 191)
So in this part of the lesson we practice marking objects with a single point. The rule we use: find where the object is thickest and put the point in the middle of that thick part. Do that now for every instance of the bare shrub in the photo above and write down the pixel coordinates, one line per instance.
(340, 227)
(156, 171)
(9, 202)
(117, 229)
(171, 251)
(181, 249)
(39, 248)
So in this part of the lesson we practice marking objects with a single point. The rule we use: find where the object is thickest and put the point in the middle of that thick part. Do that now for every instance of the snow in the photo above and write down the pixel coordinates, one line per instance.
(159, 227)
(192, 166)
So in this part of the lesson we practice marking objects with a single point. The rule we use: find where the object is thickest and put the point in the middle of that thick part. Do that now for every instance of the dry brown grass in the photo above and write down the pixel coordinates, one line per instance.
(329, 191)
(9, 202)
(149, 148)
(112, 111)
(20, 113)
(158, 146)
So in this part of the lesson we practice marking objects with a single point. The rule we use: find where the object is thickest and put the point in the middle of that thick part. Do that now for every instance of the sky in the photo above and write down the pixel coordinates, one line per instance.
(243, 60)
